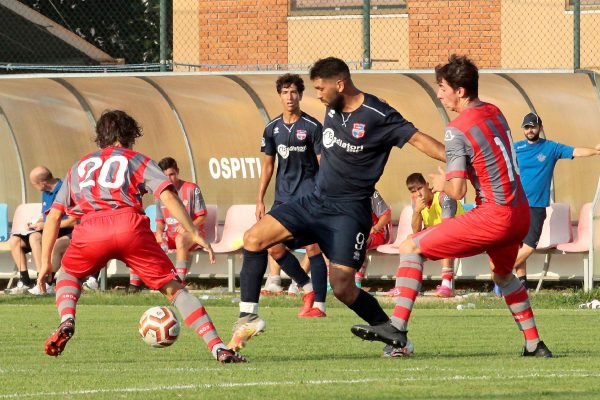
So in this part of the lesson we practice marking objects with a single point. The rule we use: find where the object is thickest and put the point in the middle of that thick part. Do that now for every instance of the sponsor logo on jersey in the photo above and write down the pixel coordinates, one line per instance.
(331, 113)
(329, 140)
(185, 202)
(300, 134)
(284, 151)
(358, 130)
(521, 146)
(262, 142)
(275, 131)
(541, 157)
(448, 136)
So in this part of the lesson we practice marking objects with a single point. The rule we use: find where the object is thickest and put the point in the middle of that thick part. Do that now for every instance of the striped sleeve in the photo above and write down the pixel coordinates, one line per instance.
(199, 206)
(159, 213)
(448, 204)
(456, 153)
(155, 180)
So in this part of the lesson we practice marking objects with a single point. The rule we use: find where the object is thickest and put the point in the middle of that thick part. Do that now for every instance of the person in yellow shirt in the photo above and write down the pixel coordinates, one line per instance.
(430, 209)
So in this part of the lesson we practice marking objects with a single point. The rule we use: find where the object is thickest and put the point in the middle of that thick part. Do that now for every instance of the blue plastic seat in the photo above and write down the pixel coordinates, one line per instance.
(151, 213)
(3, 222)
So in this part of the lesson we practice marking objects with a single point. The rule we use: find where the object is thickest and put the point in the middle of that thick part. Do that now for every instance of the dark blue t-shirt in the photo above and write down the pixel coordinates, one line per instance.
(536, 164)
(296, 146)
(48, 199)
(356, 147)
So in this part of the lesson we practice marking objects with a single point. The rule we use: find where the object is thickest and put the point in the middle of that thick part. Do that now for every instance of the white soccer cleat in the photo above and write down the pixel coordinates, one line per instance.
(21, 288)
(90, 284)
(244, 329)
(35, 291)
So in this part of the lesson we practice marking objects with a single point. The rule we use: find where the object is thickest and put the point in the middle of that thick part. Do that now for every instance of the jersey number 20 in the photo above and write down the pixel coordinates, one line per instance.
(105, 168)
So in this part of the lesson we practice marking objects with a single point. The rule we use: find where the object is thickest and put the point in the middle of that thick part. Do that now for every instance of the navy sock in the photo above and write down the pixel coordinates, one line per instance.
(25, 278)
(368, 308)
(254, 267)
(291, 266)
(318, 274)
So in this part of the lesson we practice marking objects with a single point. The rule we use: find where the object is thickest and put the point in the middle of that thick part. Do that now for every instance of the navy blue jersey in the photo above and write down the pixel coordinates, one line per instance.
(297, 146)
(356, 147)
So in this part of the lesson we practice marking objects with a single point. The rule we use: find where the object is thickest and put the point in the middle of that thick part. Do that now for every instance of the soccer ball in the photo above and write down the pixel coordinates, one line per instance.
(159, 326)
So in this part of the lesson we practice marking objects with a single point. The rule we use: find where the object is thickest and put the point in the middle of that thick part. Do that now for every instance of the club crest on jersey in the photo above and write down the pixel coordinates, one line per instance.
(300, 134)
(276, 130)
(358, 130)
(448, 136)
(331, 113)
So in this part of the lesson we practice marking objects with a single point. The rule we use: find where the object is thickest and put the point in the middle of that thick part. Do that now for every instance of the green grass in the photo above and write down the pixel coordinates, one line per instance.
(469, 354)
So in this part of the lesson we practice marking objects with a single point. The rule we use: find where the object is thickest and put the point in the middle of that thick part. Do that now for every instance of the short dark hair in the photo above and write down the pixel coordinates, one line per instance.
(459, 72)
(168, 162)
(329, 67)
(415, 179)
(116, 126)
(287, 80)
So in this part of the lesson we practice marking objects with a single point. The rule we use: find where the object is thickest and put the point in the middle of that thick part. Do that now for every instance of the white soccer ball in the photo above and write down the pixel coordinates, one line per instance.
(159, 326)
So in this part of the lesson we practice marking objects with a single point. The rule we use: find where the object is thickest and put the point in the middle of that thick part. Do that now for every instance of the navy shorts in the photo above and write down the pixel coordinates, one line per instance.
(61, 232)
(538, 216)
(340, 228)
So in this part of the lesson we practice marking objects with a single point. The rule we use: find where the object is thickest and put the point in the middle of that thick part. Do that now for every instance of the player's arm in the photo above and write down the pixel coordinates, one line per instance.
(586, 152)
(68, 222)
(49, 235)
(416, 222)
(199, 220)
(268, 164)
(449, 206)
(173, 203)
(455, 187)
(428, 145)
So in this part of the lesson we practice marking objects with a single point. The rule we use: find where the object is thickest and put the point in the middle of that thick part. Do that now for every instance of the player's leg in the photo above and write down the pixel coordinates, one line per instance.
(35, 242)
(517, 298)
(537, 216)
(183, 259)
(18, 249)
(60, 247)
(318, 274)
(446, 289)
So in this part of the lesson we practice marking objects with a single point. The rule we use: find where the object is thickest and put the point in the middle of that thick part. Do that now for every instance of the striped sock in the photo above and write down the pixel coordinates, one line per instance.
(195, 316)
(134, 279)
(408, 280)
(182, 267)
(517, 300)
(447, 275)
(360, 274)
(68, 290)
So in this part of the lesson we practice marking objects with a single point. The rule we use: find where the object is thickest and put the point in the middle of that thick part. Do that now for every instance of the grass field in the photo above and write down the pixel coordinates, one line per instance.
(468, 354)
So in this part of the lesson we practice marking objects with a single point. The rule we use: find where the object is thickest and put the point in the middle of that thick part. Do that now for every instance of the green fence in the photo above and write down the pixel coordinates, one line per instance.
(176, 35)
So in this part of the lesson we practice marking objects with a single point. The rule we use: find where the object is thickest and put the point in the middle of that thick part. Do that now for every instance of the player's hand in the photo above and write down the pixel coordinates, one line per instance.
(38, 226)
(260, 211)
(41, 280)
(159, 237)
(180, 229)
(438, 180)
(419, 204)
(211, 254)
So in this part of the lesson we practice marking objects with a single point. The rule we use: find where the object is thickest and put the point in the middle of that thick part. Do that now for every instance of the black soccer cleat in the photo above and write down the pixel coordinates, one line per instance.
(227, 356)
(540, 351)
(386, 333)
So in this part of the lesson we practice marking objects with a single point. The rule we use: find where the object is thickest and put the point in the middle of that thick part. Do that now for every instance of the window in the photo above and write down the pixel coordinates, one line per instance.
(328, 7)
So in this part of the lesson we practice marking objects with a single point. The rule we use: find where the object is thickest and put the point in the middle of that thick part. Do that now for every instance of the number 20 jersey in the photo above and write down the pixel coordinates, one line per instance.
(479, 148)
(109, 179)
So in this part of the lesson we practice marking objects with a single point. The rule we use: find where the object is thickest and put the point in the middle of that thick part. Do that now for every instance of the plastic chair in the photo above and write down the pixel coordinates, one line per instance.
(3, 222)
(24, 214)
(469, 206)
(238, 220)
(211, 223)
(151, 214)
(404, 230)
(582, 243)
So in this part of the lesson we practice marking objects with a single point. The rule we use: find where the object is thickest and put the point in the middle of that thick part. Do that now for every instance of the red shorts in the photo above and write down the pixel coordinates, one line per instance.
(171, 235)
(376, 239)
(120, 234)
(497, 230)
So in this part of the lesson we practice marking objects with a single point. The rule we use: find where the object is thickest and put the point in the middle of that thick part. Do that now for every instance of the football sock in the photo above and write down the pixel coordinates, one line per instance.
(447, 283)
(68, 290)
(360, 274)
(447, 276)
(517, 300)
(318, 276)
(254, 267)
(182, 267)
(367, 307)
(408, 280)
(523, 280)
(291, 266)
(24, 276)
(195, 316)
(320, 305)
(134, 279)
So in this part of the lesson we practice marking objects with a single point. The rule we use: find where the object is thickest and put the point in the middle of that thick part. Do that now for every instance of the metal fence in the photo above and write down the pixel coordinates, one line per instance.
(175, 35)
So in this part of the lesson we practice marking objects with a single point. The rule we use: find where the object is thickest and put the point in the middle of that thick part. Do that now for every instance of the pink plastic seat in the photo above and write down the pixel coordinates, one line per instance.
(582, 243)
(404, 229)
(210, 222)
(557, 226)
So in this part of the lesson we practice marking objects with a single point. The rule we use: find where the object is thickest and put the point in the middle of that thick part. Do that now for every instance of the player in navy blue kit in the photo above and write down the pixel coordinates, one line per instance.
(359, 132)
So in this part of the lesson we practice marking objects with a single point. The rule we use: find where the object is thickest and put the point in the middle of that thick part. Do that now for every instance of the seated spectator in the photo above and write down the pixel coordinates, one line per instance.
(31, 241)
(380, 232)
(430, 209)
(169, 233)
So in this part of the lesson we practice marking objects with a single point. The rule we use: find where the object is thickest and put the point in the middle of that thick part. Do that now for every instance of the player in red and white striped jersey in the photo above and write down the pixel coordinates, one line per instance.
(479, 148)
(105, 190)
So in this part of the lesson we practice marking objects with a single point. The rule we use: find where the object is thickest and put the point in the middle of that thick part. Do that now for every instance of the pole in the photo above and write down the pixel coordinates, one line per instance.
(163, 35)
(366, 34)
(576, 33)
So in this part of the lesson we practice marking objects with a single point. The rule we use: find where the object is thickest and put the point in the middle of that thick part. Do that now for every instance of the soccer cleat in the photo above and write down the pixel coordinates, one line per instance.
(313, 313)
(399, 352)
(272, 288)
(226, 356)
(50, 289)
(443, 291)
(90, 284)
(56, 343)
(293, 290)
(244, 329)
(540, 351)
(308, 299)
(386, 333)
(21, 288)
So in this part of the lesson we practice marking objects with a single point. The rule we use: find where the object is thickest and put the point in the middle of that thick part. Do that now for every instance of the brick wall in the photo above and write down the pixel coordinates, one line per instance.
(440, 28)
(243, 32)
